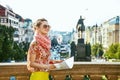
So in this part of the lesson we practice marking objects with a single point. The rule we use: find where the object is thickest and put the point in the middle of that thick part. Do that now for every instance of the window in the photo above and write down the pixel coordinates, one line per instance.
(2, 20)
(5, 20)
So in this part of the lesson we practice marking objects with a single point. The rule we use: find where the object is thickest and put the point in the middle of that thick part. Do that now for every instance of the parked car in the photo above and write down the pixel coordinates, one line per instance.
(63, 49)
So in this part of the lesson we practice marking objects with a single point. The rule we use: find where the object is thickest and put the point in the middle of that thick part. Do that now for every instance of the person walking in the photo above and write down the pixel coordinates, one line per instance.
(38, 57)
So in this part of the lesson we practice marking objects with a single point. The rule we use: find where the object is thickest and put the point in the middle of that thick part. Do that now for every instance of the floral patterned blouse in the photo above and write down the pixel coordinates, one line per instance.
(42, 56)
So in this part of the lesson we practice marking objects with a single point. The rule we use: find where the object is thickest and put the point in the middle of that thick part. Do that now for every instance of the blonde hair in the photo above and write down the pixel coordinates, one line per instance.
(38, 23)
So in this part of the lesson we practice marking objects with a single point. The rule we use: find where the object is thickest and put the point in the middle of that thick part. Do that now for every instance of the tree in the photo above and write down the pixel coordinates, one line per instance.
(23, 47)
(8, 48)
(73, 48)
(54, 42)
(2, 37)
(113, 51)
(7, 42)
(94, 49)
(19, 53)
(88, 49)
(97, 50)
(118, 53)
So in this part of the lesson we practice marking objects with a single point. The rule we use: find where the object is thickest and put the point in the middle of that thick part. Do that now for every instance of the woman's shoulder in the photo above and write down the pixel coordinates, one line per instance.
(33, 43)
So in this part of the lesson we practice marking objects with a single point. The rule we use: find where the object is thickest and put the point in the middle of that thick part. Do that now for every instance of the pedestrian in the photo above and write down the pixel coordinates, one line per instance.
(38, 57)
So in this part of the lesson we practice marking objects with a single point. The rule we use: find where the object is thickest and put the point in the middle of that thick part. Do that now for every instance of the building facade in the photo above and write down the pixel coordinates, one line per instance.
(106, 34)
(23, 27)
(8, 17)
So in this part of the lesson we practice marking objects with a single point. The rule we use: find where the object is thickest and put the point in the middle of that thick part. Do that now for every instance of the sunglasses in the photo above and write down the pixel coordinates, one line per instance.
(46, 26)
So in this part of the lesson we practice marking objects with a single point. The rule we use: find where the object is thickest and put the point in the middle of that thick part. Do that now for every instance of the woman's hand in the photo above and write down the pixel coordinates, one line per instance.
(58, 61)
(51, 66)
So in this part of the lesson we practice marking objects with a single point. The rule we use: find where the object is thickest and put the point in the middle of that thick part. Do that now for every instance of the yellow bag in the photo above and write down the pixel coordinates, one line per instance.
(39, 76)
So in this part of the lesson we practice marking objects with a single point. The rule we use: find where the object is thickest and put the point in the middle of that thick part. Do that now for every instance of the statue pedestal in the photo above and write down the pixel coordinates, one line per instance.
(82, 53)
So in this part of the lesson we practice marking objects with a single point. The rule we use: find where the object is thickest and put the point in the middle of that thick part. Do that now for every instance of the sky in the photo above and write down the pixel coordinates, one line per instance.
(63, 15)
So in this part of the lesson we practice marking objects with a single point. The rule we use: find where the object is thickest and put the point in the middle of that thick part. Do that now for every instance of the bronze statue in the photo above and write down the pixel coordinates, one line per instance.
(80, 27)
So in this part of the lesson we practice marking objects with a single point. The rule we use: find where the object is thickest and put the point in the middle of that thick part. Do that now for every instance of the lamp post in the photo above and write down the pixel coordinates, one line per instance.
(96, 27)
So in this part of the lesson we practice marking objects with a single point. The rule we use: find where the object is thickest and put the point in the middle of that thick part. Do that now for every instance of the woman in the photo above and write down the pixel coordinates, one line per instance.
(38, 58)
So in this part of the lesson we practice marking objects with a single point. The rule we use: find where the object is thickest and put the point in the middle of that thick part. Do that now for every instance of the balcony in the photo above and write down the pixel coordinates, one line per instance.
(94, 69)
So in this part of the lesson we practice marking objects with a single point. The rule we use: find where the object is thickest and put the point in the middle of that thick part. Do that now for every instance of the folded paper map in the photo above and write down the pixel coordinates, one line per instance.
(66, 64)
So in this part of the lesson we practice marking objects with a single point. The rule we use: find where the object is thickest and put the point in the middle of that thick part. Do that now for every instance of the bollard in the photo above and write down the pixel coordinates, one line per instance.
(68, 77)
(51, 77)
(86, 77)
(12, 78)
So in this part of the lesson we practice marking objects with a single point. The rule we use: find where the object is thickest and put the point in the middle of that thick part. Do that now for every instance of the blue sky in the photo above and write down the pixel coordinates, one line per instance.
(64, 14)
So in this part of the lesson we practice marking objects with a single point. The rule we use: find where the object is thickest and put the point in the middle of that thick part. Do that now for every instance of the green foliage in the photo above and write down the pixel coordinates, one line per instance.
(2, 37)
(113, 52)
(54, 42)
(97, 50)
(113, 48)
(6, 40)
(94, 49)
(88, 49)
(9, 49)
(73, 48)
(19, 53)
(24, 46)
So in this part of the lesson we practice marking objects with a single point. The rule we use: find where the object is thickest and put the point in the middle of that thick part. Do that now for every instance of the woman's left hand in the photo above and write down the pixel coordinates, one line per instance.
(55, 61)
(58, 61)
